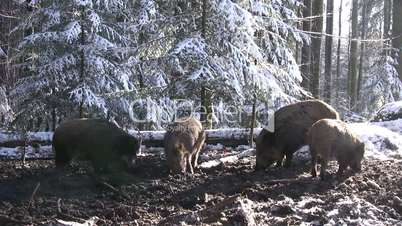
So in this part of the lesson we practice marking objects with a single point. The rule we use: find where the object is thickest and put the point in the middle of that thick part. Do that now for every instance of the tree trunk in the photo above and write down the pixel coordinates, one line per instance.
(397, 34)
(352, 74)
(328, 51)
(362, 50)
(253, 116)
(387, 26)
(306, 49)
(54, 119)
(316, 47)
(206, 93)
(82, 62)
(338, 53)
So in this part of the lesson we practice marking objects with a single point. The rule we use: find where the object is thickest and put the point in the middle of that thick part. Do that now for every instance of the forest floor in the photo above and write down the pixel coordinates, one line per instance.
(228, 194)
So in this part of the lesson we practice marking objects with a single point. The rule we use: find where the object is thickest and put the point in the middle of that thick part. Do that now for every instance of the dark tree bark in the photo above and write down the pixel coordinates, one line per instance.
(352, 74)
(328, 51)
(206, 93)
(365, 12)
(397, 34)
(82, 62)
(338, 53)
(387, 26)
(306, 49)
(316, 47)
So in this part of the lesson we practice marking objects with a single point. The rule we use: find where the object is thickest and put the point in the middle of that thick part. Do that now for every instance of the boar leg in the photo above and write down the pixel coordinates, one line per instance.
(189, 164)
(198, 146)
(288, 160)
(62, 158)
(279, 162)
(342, 166)
(195, 160)
(314, 166)
(324, 163)
(195, 157)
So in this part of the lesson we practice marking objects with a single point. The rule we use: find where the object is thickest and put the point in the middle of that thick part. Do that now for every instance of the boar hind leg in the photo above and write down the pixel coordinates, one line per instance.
(195, 157)
(279, 162)
(189, 163)
(323, 171)
(197, 148)
(62, 158)
(195, 160)
(314, 166)
(342, 166)
(288, 160)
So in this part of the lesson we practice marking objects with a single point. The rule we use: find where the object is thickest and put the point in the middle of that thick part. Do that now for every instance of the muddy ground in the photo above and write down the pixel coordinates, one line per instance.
(231, 194)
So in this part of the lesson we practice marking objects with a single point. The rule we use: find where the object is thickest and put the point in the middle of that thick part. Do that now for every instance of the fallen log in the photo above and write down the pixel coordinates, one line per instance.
(227, 159)
(39, 144)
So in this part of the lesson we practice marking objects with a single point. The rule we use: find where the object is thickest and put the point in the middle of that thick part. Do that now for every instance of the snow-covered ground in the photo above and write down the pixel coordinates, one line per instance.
(382, 139)
(390, 111)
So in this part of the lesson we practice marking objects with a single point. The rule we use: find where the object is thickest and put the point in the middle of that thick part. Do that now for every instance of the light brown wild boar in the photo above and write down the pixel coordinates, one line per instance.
(330, 139)
(291, 125)
(183, 141)
(107, 146)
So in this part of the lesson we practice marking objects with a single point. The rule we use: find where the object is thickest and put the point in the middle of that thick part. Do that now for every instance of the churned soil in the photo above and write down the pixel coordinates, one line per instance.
(227, 194)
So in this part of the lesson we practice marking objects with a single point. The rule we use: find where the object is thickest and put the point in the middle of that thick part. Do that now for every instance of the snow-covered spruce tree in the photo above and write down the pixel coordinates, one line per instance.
(72, 59)
(240, 45)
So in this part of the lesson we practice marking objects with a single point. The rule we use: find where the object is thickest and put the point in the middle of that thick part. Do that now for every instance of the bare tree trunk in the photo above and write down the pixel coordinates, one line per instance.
(328, 51)
(352, 75)
(316, 47)
(338, 53)
(387, 26)
(362, 50)
(206, 93)
(306, 49)
(54, 119)
(82, 63)
(253, 116)
(397, 34)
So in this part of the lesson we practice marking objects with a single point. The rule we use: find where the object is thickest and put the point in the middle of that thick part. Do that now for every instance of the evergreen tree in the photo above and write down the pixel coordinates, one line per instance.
(72, 58)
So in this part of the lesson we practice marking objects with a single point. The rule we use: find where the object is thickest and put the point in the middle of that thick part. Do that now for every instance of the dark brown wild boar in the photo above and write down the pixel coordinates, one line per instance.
(291, 124)
(183, 141)
(107, 146)
(330, 139)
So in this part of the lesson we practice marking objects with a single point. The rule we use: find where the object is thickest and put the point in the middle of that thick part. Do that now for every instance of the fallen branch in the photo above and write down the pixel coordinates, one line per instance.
(33, 195)
(201, 214)
(115, 190)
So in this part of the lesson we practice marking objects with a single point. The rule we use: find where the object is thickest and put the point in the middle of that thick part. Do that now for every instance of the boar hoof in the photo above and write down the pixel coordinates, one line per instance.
(279, 163)
(313, 174)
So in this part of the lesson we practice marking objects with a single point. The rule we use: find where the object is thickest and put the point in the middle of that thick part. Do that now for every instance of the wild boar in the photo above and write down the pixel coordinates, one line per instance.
(107, 146)
(328, 139)
(290, 126)
(183, 141)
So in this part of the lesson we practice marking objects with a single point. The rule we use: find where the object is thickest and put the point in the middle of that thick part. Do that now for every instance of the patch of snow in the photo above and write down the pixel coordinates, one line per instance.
(30, 152)
(32, 136)
(381, 143)
(389, 111)
(395, 125)
(2, 53)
